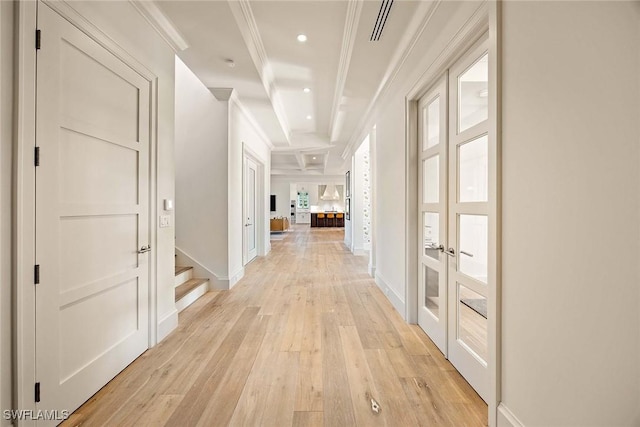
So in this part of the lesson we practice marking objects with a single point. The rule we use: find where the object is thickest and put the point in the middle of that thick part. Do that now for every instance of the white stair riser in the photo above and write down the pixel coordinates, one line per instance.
(183, 277)
(192, 296)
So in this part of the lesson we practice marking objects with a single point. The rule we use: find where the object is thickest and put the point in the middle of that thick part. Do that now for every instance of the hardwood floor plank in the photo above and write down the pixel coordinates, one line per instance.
(307, 419)
(361, 383)
(337, 398)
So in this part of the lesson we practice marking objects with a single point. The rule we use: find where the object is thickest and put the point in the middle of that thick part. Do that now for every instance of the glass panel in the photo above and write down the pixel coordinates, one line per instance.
(473, 94)
(425, 126)
(431, 234)
(473, 170)
(472, 321)
(473, 246)
(433, 123)
(432, 291)
(431, 181)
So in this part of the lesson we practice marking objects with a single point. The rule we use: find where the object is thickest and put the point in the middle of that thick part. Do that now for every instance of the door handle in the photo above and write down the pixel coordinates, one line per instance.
(246, 225)
(144, 249)
(432, 246)
(450, 252)
(467, 254)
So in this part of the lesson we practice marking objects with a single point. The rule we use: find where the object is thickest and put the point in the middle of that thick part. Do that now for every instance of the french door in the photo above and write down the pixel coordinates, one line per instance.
(455, 216)
(92, 219)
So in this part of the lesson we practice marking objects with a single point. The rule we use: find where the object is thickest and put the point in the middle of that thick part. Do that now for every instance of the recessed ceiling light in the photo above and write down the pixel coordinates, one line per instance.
(230, 63)
(308, 117)
(302, 38)
(306, 90)
(314, 157)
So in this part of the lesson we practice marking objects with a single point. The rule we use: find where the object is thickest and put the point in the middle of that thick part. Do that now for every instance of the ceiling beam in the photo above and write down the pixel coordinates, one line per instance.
(301, 163)
(246, 22)
(352, 19)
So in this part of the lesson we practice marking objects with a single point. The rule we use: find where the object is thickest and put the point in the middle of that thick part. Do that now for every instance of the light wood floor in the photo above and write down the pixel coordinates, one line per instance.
(305, 339)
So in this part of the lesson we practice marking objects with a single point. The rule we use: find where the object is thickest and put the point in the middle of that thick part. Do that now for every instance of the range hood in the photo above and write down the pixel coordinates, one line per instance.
(330, 193)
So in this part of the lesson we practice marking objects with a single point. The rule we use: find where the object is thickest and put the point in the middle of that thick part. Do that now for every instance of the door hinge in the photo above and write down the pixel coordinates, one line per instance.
(37, 392)
(36, 274)
(38, 39)
(36, 156)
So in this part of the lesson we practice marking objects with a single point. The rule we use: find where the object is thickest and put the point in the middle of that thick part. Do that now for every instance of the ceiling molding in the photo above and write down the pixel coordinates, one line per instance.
(161, 23)
(354, 10)
(245, 20)
(416, 28)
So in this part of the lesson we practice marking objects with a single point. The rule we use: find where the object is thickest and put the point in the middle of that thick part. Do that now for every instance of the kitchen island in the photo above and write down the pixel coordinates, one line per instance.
(327, 219)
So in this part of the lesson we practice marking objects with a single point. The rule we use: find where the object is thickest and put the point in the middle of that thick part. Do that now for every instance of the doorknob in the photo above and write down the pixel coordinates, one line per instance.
(432, 246)
(450, 252)
(144, 249)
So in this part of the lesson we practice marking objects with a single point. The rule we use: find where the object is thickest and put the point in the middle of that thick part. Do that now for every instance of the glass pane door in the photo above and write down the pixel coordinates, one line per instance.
(432, 186)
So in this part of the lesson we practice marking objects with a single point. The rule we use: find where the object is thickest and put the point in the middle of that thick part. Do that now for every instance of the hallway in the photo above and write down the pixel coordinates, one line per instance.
(306, 338)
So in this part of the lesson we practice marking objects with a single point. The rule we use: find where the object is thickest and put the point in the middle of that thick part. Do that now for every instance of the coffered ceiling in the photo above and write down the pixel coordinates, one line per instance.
(310, 97)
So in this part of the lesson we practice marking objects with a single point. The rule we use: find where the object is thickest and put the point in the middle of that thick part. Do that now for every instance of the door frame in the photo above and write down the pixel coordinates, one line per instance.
(485, 22)
(24, 352)
(261, 200)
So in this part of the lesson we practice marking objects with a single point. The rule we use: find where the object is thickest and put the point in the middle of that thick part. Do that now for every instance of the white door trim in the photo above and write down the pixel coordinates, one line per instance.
(485, 19)
(24, 188)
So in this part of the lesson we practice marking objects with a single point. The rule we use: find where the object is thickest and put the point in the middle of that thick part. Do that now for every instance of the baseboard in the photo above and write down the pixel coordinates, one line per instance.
(167, 325)
(358, 251)
(200, 271)
(236, 278)
(393, 297)
(506, 418)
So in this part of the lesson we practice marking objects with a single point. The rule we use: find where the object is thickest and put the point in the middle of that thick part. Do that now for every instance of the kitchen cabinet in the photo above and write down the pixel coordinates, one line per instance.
(303, 217)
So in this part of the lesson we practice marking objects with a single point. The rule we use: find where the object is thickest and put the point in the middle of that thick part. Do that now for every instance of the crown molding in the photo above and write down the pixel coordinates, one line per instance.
(161, 23)
(354, 10)
(416, 28)
(245, 20)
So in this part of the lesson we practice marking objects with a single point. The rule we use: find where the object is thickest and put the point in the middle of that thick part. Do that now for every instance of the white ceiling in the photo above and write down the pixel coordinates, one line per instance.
(315, 132)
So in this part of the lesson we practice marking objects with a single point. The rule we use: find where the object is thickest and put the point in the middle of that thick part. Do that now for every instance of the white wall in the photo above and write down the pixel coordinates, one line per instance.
(201, 173)
(357, 199)
(243, 133)
(571, 108)
(6, 138)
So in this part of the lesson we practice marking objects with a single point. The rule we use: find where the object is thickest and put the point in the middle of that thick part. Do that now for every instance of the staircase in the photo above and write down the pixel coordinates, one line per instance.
(188, 289)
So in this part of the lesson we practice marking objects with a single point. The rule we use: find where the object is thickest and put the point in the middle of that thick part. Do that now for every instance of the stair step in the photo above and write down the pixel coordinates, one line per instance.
(187, 287)
(180, 270)
(183, 274)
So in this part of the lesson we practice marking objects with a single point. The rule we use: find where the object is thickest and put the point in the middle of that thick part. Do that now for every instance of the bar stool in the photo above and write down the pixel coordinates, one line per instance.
(330, 222)
(320, 220)
(340, 220)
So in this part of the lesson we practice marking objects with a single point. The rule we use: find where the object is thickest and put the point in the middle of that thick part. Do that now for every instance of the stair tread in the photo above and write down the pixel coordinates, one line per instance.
(187, 287)
(180, 270)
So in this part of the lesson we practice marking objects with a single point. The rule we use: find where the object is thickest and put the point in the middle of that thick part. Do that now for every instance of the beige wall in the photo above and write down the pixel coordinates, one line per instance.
(6, 141)
(571, 114)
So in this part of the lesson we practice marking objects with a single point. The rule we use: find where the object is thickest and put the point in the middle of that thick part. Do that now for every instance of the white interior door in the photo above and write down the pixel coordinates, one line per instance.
(250, 193)
(92, 198)
(454, 197)
(432, 190)
(469, 197)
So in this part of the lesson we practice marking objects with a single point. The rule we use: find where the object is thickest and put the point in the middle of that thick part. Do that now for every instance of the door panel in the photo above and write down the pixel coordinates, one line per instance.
(469, 194)
(92, 202)
(432, 279)
(250, 194)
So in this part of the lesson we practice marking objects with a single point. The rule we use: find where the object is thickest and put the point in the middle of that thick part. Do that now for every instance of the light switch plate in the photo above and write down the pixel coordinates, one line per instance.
(165, 221)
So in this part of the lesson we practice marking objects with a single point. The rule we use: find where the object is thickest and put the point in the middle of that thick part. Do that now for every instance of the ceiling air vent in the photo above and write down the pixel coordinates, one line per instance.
(383, 14)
